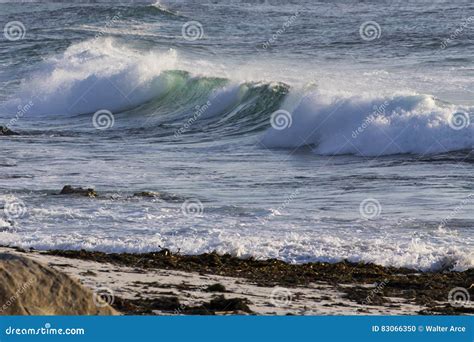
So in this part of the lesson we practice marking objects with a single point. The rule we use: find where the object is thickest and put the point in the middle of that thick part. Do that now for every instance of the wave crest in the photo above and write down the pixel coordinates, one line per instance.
(417, 124)
(103, 75)
(97, 74)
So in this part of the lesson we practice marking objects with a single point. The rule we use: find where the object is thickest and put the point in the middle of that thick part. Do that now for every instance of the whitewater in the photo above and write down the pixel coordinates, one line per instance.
(261, 144)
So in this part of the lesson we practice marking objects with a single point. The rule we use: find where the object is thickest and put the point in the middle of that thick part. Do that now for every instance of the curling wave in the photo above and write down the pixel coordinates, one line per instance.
(416, 124)
(101, 74)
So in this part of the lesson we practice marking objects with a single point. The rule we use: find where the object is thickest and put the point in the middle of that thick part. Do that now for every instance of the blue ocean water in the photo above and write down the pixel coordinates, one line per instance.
(299, 130)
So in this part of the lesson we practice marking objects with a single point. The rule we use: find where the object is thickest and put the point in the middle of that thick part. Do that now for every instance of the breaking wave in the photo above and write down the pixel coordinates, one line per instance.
(102, 74)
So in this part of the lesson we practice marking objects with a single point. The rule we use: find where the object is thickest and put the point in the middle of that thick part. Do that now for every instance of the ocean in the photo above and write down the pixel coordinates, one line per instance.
(298, 130)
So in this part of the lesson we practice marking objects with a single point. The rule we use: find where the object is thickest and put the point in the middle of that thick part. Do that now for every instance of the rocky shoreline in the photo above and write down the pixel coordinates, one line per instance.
(429, 289)
(167, 283)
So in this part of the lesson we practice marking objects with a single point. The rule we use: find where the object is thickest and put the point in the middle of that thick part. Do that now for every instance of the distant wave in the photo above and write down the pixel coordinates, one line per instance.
(121, 11)
(100, 74)
(162, 9)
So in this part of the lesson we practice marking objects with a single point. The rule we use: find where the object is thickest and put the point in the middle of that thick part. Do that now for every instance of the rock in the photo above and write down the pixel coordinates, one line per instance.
(69, 190)
(146, 194)
(7, 131)
(223, 304)
(215, 288)
(161, 195)
(29, 288)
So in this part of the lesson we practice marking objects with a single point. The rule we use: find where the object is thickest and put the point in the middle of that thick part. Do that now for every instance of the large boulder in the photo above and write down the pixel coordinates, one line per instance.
(29, 288)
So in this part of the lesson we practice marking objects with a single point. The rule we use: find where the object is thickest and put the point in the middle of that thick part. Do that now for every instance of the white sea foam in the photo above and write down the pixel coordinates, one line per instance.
(104, 74)
(417, 124)
(425, 253)
(97, 74)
